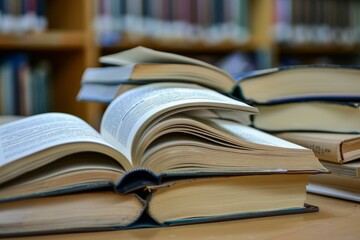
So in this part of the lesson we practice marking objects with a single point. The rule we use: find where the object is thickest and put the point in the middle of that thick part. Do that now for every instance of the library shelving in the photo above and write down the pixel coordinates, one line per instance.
(70, 43)
(66, 44)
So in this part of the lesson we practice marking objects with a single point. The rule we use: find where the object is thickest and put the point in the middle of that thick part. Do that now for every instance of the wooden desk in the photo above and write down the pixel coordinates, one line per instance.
(337, 219)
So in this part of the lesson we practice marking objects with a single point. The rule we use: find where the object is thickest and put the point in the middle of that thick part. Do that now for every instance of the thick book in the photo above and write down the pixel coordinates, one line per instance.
(351, 169)
(310, 116)
(300, 83)
(176, 203)
(142, 65)
(331, 147)
(340, 154)
(154, 141)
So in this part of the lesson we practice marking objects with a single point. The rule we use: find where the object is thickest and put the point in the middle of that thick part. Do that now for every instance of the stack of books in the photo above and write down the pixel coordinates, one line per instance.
(316, 106)
(169, 152)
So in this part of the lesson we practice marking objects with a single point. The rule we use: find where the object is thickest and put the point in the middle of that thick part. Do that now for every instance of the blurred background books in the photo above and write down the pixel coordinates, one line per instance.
(237, 36)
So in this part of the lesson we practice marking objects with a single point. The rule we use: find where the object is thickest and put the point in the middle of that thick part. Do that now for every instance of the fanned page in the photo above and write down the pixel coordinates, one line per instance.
(211, 145)
(147, 55)
(49, 137)
(253, 135)
(127, 116)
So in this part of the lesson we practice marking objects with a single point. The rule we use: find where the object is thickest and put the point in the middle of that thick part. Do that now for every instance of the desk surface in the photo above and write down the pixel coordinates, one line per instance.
(337, 219)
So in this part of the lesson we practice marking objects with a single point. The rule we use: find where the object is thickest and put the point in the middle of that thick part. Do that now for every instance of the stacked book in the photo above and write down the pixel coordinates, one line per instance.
(171, 150)
(317, 107)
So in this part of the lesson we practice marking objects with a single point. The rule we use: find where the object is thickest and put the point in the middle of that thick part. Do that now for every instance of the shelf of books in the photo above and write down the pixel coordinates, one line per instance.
(317, 22)
(204, 26)
(42, 54)
(181, 21)
(326, 32)
(264, 33)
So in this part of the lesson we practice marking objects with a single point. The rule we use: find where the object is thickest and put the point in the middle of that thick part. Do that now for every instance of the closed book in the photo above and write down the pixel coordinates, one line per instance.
(300, 83)
(310, 116)
(336, 185)
(331, 147)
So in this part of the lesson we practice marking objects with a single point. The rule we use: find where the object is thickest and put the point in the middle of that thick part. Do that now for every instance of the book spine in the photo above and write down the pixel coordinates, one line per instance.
(316, 22)
(23, 86)
(7, 88)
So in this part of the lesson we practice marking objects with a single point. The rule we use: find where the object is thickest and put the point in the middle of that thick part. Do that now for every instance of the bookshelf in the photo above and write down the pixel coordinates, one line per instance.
(69, 44)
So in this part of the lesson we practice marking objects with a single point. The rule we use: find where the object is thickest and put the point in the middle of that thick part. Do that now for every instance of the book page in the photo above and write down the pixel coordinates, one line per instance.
(108, 75)
(147, 55)
(332, 191)
(32, 134)
(128, 115)
(251, 134)
(103, 93)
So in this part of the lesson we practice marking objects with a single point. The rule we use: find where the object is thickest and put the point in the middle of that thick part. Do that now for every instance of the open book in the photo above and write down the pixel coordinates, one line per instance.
(142, 65)
(154, 136)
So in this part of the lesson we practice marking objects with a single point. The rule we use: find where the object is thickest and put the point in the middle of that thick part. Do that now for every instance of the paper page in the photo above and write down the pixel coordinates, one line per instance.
(108, 75)
(236, 116)
(30, 135)
(103, 93)
(146, 55)
(132, 110)
(253, 135)
(333, 192)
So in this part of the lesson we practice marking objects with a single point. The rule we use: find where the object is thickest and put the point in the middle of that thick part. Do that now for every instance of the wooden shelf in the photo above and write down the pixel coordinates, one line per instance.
(319, 49)
(182, 46)
(49, 40)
